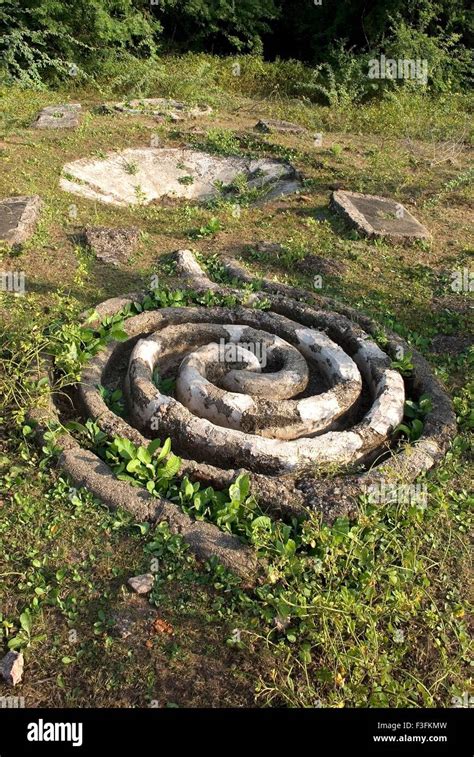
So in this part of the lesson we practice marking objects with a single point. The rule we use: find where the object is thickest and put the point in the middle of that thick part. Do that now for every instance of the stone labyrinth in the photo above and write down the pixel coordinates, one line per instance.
(286, 385)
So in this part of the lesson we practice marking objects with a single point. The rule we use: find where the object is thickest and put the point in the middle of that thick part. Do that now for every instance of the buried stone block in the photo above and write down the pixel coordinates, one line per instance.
(58, 117)
(376, 216)
(140, 176)
(112, 245)
(158, 106)
(18, 217)
(271, 125)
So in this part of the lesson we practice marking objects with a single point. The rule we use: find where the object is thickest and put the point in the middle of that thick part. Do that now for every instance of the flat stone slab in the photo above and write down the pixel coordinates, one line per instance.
(58, 117)
(18, 217)
(111, 245)
(140, 176)
(376, 216)
(269, 125)
(159, 106)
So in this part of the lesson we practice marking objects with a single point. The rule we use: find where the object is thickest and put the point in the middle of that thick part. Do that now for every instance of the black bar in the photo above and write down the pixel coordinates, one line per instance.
(277, 731)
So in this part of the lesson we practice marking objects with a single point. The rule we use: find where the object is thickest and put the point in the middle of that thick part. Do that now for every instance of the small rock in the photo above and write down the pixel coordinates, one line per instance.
(58, 117)
(123, 626)
(162, 626)
(103, 110)
(112, 245)
(11, 667)
(269, 125)
(142, 584)
(200, 110)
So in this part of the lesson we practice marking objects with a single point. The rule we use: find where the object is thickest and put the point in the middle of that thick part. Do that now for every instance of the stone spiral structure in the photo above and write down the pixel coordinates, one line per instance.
(290, 387)
(243, 427)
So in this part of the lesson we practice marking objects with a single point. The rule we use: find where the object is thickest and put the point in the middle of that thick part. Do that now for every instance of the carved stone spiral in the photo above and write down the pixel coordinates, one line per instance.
(303, 409)
(287, 386)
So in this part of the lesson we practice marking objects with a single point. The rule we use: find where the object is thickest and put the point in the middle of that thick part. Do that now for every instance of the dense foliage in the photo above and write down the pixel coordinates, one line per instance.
(41, 40)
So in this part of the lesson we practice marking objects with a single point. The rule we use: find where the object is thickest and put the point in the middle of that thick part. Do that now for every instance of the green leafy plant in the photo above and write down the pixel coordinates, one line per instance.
(415, 413)
(165, 385)
(114, 399)
(404, 365)
(72, 344)
(130, 167)
(231, 510)
(153, 466)
(464, 407)
(23, 638)
(212, 227)
(221, 142)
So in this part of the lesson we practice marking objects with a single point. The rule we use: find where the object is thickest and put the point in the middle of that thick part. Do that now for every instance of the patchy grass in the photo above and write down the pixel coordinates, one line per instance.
(372, 613)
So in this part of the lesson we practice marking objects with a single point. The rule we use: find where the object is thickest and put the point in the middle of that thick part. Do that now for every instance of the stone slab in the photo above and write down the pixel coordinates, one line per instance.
(111, 245)
(64, 116)
(271, 125)
(375, 216)
(18, 217)
(143, 175)
(158, 106)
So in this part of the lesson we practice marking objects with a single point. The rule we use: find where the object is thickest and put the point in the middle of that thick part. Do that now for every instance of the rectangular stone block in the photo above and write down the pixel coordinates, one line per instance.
(18, 217)
(375, 216)
(58, 117)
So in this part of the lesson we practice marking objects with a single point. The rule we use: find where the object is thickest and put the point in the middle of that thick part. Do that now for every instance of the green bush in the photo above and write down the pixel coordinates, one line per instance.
(41, 41)
(217, 26)
(448, 61)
